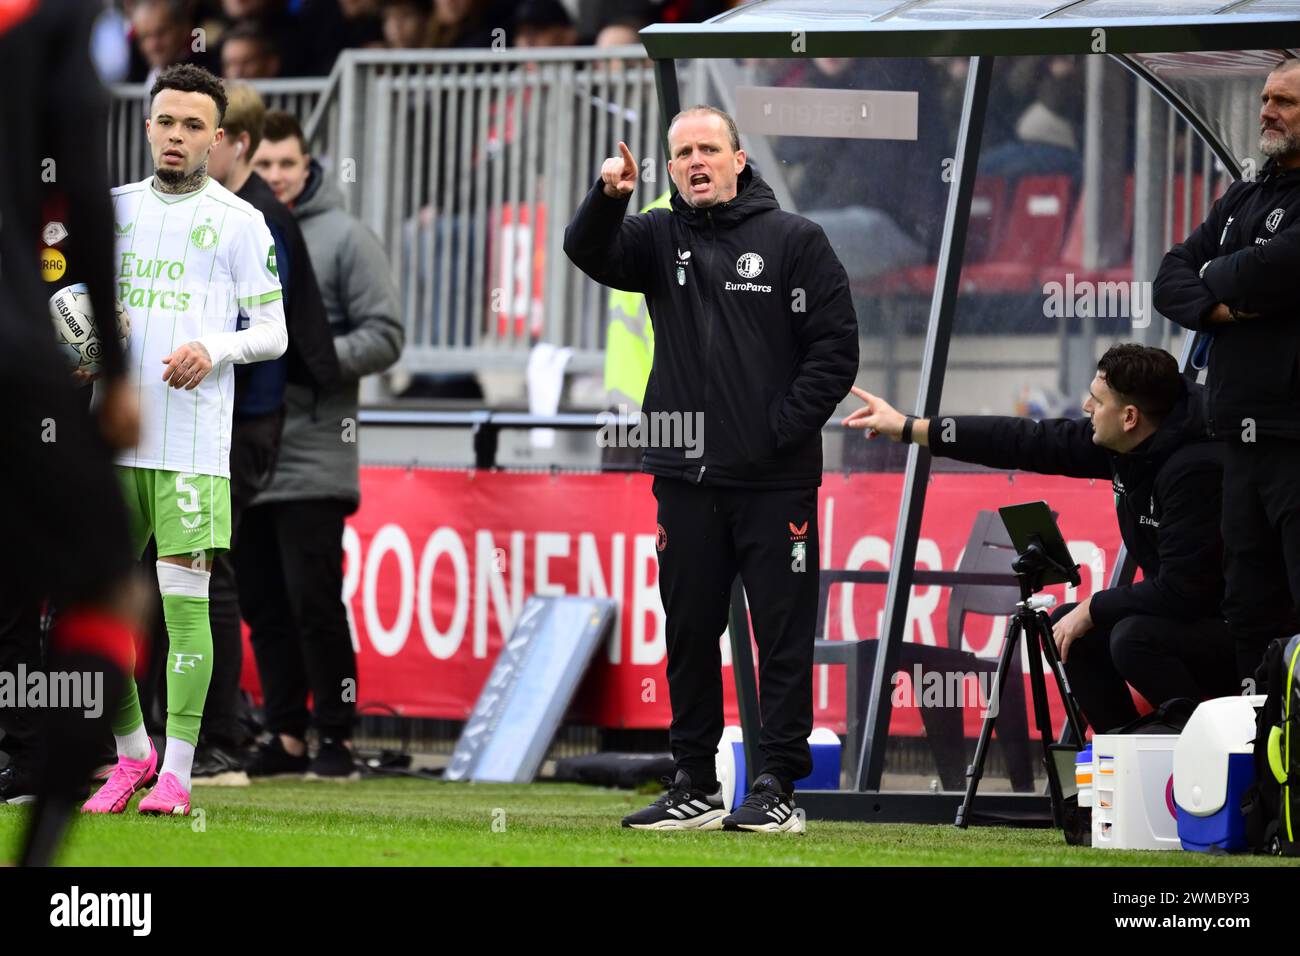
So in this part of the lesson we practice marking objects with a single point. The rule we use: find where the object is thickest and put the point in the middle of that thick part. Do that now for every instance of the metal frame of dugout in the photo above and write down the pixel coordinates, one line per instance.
(921, 28)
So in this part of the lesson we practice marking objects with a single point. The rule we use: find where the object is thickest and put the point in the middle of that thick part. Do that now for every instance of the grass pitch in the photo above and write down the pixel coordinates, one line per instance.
(409, 822)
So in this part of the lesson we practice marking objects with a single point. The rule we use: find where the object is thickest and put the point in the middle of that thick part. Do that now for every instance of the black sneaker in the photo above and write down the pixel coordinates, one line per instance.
(334, 761)
(17, 784)
(766, 810)
(272, 760)
(216, 765)
(683, 807)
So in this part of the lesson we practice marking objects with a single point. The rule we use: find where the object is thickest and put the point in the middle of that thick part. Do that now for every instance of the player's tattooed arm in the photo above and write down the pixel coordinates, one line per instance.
(187, 366)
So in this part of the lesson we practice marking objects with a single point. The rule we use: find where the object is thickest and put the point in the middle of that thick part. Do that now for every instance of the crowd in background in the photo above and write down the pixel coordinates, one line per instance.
(261, 39)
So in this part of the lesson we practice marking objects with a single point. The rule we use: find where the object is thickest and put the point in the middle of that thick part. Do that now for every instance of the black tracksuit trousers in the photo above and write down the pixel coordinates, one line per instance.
(707, 535)
(1261, 545)
(290, 570)
(1162, 658)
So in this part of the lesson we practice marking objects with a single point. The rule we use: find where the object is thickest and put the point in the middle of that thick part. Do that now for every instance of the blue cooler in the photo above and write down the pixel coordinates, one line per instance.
(1214, 764)
(823, 742)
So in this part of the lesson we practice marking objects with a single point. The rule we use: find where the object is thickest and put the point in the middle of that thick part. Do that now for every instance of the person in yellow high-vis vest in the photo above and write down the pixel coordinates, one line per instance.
(629, 352)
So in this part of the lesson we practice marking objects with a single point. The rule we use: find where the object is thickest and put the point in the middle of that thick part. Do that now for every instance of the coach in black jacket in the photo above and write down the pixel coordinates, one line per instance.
(1237, 277)
(1145, 431)
(756, 342)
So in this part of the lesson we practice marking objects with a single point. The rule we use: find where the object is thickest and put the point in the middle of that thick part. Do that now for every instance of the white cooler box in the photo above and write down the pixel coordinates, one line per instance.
(1214, 764)
(1133, 792)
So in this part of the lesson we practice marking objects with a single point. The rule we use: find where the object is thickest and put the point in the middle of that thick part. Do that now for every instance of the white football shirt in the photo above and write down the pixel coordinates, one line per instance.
(186, 268)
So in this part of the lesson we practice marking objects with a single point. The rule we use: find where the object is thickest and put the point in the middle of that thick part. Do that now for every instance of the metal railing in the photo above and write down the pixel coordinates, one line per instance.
(467, 165)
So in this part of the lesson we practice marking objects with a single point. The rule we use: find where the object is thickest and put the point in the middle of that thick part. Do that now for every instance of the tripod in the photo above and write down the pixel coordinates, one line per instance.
(1032, 622)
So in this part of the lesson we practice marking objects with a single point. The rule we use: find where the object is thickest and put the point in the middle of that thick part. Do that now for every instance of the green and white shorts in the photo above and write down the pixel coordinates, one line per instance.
(186, 514)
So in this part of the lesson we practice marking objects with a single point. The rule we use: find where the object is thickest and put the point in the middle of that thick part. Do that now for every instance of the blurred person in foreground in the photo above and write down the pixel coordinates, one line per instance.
(76, 554)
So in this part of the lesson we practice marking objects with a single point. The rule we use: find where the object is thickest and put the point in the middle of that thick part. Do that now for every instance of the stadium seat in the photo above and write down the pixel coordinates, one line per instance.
(1007, 246)
(1071, 260)
(1032, 238)
(987, 216)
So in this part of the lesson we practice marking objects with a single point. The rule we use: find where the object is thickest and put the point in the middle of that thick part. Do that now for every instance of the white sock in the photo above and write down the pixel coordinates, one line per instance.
(178, 759)
(135, 745)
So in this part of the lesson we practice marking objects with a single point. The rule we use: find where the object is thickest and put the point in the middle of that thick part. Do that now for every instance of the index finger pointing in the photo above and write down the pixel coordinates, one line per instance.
(627, 153)
(863, 394)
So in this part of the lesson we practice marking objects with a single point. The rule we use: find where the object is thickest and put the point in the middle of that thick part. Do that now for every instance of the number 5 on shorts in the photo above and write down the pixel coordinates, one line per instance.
(188, 503)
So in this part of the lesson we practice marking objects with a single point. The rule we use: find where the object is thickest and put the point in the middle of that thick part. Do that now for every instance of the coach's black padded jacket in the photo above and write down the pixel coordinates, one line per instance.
(1167, 498)
(1246, 255)
(754, 327)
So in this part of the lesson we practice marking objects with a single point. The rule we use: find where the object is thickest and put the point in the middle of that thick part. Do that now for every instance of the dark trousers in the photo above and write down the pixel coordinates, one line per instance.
(20, 645)
(707, 536)
(1162, 658)
(290, 569)
(1261, 545)
(253, 448)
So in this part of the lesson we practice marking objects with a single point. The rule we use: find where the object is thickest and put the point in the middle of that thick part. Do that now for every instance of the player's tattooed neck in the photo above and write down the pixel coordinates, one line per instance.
(165, 181)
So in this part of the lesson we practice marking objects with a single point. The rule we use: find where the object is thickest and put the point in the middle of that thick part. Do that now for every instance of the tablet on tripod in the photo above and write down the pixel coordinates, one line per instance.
(1037, 539)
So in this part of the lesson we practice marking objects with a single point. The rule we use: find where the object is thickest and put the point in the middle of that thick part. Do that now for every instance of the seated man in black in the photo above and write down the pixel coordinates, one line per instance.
(1145, 431)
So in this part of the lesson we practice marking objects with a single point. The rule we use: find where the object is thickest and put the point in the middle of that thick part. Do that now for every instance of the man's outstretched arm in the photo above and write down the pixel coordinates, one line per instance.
(1054, 446)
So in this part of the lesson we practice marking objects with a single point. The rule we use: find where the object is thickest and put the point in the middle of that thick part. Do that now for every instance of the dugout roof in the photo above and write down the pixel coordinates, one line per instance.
(1191, 51)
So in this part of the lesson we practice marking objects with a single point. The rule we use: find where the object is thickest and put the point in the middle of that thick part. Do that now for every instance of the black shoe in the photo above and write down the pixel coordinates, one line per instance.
(17, 784)
(766, 810)
(683, 807)
(334, 761)
(216, 765)
(272, 760)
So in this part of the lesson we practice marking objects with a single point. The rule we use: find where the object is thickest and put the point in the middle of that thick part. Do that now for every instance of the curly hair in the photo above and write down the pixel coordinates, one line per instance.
(188, 78)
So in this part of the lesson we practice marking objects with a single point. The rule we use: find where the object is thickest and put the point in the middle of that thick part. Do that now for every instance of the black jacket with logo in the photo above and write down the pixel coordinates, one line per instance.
(1246, 255)
(754, 328)
(1168, 494)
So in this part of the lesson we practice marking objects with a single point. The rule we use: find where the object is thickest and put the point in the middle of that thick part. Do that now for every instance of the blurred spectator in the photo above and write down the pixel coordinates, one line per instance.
(592, 16)
(688, 11)
(464, 24)
(163, 33)
(405, 22)
(893, 215)
(362, 26)
(325, 28)
(293, 38)
(543, 23)
(621, 33)
(1047, 131)
(247, 53)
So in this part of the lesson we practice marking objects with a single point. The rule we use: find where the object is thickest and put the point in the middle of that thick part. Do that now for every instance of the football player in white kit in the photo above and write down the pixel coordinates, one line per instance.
(195, 269)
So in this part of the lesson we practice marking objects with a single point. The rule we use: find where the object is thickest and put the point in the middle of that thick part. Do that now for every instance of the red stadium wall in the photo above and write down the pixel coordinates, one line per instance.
(438, 564)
